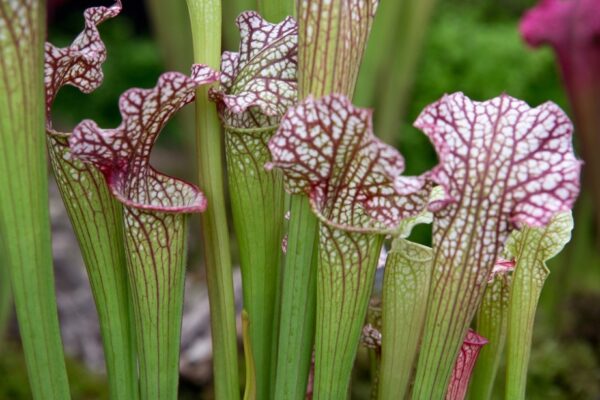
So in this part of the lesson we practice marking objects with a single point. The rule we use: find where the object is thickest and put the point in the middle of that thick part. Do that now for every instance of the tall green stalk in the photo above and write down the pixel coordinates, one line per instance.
(491, 323)
(330, 50)
(205, 17)
(531, 248)
(24, 219)
(298, 299)
(326, 149)
(396, 78)
(154, 221)
(250, 386)
(250, 111)
(319, 73)
(95, 216)
(346, 272)
(5, 295)
(257, 201)
(97, 221)
(156, 245)
(405, 287)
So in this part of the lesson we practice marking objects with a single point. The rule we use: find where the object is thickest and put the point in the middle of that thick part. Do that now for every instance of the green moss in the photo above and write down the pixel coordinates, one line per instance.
(14, 384)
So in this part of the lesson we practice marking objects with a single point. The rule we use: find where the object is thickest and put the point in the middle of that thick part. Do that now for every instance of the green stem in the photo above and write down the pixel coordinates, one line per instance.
(297, 324)
(250, 388)
(492, 321)
(24, 217)
(397, 76)
(298, 283)
(531, 248)
(374, 364)
(155, 245)
(96, 218)
(205, 17)
(257, 201)
(346, 271)
(527, 285)
(405, 287)
(453, 301)
(377, 52)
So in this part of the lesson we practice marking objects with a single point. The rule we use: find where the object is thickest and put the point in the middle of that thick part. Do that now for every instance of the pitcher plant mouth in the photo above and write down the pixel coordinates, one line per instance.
(122, 154)
(502, 165)
(250, 95)
(327, 150)
(95, 216)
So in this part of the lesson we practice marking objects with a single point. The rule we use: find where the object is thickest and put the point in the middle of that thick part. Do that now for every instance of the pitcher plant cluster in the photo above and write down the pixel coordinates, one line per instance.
(318, 204)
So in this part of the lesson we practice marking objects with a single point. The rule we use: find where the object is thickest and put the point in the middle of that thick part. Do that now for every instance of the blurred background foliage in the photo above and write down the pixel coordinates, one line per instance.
(468, 45)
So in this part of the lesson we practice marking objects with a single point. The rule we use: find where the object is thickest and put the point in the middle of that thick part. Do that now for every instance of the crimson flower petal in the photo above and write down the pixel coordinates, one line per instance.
(122, 154)
(562, 24)
(327, 150)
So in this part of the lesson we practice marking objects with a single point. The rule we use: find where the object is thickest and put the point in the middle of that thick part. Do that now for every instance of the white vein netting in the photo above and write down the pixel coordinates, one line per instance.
(79, 64)
(327, 150)
(122, 154)
(519, 159)
(258, 83)
(501, 164)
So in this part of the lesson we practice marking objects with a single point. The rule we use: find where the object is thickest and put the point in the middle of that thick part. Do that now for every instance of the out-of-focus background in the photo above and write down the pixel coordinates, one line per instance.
(471, 46)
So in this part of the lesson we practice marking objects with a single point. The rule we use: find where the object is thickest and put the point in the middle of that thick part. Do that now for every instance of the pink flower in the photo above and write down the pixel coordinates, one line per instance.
(572, 28)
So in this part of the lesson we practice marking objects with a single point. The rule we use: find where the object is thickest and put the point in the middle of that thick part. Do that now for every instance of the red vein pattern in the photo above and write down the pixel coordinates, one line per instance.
(519, 158)
(327, 67)
(327, 150)
(122, 154)
(154, 220)
(79, 64)
(258, 83)
(502, 164)
(461, 374)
